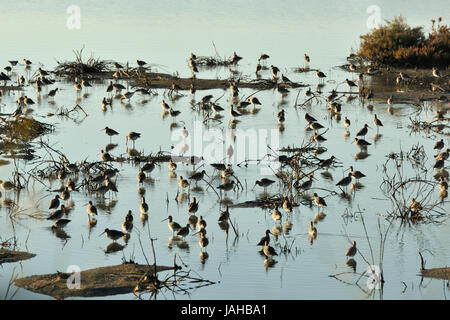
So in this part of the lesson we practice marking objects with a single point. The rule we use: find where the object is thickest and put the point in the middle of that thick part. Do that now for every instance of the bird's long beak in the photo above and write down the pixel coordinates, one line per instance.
(165, 219)
(101, 233)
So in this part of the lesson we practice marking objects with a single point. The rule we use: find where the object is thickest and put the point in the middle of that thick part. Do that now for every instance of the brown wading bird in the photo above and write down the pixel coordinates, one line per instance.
(265, 239)
(356, 174)
(269, 251)
(276, 215)
(224, 215)
(60, 223)
(183, 231)
(54, 203)
(133, 136)
(320, 75)
(350, 84)
(263, 57)
(352, 250)
(377, 122)
(264, 182)
(361, 143)
(344, 182)
(91, 210)
(319, 201)
(201, 222)
(113, 234)
(363, 131)
(193, 205)
(203, 242)
(110, 132)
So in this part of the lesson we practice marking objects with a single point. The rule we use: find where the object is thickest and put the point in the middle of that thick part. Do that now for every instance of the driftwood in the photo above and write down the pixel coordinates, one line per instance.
(98, 282)
(14, 256)
(438, 273)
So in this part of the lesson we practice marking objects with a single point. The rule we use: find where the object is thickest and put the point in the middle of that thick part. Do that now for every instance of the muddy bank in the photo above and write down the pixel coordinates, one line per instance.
(98, 282)
(152, 80)
(439, 273)
(417, 84)
(14, 256)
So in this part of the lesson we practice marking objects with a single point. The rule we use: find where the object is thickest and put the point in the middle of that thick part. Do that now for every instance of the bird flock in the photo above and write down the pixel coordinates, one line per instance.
(59, 205)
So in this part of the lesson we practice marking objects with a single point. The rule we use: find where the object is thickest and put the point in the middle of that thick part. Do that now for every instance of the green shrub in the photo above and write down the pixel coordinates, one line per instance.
(398, 44)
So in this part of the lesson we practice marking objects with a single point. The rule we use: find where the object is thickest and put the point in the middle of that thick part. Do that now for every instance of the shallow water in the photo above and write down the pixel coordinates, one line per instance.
(164, 34)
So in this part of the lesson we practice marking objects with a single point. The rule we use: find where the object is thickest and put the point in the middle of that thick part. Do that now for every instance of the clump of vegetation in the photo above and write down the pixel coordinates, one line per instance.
(79, 67)
(24, 129)
(398, 44)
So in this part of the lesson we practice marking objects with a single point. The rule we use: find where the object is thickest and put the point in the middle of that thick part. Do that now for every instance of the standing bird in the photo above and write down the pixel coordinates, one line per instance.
(91, 209)
(320, 75)
(281, 117)
(172, 165)
(110, 132)
(54, 204)
(57, 214)
(183, 231)
(439, 145)
(363, 131)
(77, 85)
(344, 182)
(276, 215)
(133, 136)
(287, 205)
(264, 182)
(274, 71)
(105, 156)
(346, 124)
(235, 59)
(361, 143)
(377, 122)
(193, 206)
(356, 174)
(224, 215)
(350, 84)
(319, 201)
(285, 79)
(141, 63)
(263, 57)
(197, 176)
(201, 223)
(144, 206)
(309, 118)
(173, 226)
(52, 93)
(141, 176)
(110, 87)
(203, 242)
(65, 194)
(60, 223)
(265, 239)
(269, 251)
(182, 183)
(113, 234)
(352, 250)
(254, 101)
(306, 59)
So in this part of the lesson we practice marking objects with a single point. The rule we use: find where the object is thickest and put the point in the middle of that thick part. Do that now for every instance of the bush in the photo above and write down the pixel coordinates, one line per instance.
(398, 44)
